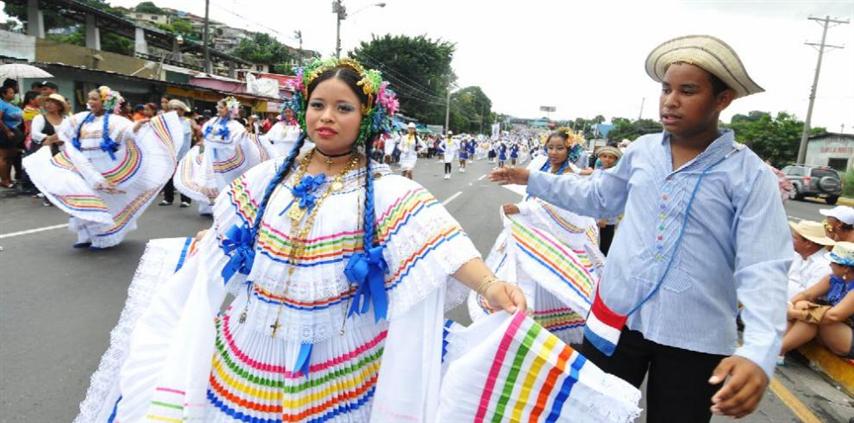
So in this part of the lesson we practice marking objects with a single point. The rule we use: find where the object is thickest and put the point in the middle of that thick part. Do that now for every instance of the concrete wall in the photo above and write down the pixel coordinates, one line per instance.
(820, 150)
(52, 52)
(19, 46)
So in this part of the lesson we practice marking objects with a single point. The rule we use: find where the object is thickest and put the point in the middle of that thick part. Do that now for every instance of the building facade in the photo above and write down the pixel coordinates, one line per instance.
(831, 149)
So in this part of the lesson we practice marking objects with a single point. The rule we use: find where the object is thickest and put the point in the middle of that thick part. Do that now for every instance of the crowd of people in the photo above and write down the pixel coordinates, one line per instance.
(642, 255)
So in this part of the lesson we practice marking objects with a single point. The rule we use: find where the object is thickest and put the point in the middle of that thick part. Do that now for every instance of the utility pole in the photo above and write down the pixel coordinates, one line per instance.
(448, 111)
(340, 14)
(208, 68)
(298, 36)
(640, 114)
(802, 150)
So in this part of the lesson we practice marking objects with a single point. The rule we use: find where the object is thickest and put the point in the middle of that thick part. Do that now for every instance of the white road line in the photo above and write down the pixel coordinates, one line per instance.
(451, 198)
(33, 231)
(481, 177)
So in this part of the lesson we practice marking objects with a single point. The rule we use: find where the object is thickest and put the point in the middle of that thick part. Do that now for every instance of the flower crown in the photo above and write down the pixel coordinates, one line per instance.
(112, 100)
(232, 105)
(572, 137)
(377, 114)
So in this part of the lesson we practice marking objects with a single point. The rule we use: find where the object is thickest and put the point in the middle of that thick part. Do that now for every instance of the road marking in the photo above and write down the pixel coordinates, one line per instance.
(451, 198)
(481, 177)
(471, 183)
(800, 410)
(33, 231)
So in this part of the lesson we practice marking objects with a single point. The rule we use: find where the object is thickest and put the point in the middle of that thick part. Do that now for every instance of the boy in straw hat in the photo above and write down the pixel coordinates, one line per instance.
(704, 230)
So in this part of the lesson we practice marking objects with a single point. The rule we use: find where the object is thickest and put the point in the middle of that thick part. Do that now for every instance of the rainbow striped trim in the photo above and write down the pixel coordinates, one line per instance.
(232, 163)
(251, 390)
(241, 198)
(83, 203)
(186, 173)
(262, 152)
(401, 211)
(62, 161)
(589, 231)
(158, 124)
(431, 245)
(130, 211)
(521, 397)
(554, 257)
(558, 319)
(128, 166)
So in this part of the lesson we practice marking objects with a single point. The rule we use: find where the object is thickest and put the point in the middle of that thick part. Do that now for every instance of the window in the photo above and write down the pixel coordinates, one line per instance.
(795, 171)
(838, 164)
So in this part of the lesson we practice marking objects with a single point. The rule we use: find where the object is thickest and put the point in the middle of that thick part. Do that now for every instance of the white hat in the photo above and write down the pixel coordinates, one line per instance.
(843, 214)
(842, 253)
(707, 52)
(411, 125)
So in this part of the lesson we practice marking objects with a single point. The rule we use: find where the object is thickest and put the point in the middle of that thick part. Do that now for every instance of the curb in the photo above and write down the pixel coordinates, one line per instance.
(838, 369)
(845, 201)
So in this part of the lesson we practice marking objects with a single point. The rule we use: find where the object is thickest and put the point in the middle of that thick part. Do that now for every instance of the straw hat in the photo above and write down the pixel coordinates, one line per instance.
(178, 104)
(842, 253)
(707, 52)
(59, 99)
(614, 151)
(812, 231)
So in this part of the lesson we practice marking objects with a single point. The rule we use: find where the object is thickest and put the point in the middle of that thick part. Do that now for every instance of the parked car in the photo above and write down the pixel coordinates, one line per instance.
(814, 181)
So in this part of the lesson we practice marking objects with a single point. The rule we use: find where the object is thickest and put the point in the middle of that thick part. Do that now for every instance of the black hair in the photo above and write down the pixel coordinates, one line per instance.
(138, 107)
(30, 96)
(718, 86)
(560, 134)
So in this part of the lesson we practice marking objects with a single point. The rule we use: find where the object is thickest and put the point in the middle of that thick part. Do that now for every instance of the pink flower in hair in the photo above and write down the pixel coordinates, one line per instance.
(388, 99)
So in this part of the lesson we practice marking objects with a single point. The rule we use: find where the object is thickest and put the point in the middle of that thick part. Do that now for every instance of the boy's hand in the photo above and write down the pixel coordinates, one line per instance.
(510, 208)
(510, 175)
(744, 384)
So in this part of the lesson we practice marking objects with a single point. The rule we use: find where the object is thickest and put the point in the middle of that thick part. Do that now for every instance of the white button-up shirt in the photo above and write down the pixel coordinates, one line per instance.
(805, 273)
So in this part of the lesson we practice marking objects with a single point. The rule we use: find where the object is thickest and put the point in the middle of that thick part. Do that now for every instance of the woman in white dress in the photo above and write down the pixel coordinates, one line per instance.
(106, 174)
(225, 152)
(283, 135)
(409, 145)
(341, 271)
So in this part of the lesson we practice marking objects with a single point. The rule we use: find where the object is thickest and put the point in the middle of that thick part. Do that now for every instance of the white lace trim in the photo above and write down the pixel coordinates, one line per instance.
(103, 392)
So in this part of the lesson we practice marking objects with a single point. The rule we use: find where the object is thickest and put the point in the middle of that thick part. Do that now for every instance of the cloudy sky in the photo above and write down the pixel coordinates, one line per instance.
(585, 57)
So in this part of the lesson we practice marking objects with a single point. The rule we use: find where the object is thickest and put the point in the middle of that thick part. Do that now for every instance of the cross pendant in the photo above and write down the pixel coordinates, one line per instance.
(275, 326)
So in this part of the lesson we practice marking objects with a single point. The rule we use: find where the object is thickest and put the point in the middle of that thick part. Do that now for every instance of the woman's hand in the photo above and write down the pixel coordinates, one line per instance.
(108, 187)
(505, 296)
(139, 123)
(510, 208)
(51, 140)
(510, 175)
(201, 234)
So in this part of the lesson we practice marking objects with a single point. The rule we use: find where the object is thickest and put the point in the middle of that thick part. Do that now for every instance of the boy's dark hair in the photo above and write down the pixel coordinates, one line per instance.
(138, 107)
(718, 86)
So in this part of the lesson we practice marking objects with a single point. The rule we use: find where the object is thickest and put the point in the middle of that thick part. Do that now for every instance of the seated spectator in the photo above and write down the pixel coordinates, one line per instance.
(839, 224)
(809, 265)
(825, 309)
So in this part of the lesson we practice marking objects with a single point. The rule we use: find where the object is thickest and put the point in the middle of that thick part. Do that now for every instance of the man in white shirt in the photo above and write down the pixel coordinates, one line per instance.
(809, 265)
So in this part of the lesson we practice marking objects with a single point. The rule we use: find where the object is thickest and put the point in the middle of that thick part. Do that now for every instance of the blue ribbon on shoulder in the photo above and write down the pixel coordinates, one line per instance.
(367, 270)
(238, 246)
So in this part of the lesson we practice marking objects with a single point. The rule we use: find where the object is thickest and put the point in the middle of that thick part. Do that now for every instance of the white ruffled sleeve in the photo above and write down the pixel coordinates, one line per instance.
(424, 244)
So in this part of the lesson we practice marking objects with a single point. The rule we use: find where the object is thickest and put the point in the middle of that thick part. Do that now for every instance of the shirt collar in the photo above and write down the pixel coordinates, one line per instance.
(721, 146)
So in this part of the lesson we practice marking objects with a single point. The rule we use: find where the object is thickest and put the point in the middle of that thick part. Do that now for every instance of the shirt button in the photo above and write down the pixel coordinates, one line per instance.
(662, 216)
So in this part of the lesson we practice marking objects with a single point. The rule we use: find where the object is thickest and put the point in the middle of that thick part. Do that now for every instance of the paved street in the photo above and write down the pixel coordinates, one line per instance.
(57, 304)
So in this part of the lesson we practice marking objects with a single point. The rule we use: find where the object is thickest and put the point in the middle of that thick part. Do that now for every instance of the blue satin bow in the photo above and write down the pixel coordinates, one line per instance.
(306, 189)
(367, 270)
(109, 146)
(238, 246)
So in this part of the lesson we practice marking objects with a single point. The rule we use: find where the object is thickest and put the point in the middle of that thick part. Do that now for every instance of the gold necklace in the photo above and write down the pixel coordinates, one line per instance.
(299, 233)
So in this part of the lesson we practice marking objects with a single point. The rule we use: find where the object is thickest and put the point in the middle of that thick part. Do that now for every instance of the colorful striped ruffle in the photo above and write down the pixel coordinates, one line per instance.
(519, 372)
(247, 387)
(234, 162)
(129, 165)
(82, 202)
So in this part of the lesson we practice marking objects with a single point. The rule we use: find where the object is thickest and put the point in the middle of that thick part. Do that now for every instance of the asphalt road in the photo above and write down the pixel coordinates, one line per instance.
(58, 304)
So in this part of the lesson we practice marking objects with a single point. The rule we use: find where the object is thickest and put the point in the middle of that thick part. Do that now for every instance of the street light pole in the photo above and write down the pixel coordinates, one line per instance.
(448, 111)
(340, 14)
(207, 54)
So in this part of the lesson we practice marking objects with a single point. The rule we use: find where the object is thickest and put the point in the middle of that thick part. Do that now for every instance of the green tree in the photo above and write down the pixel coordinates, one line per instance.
(470, 111)
(148, 7)
(419, 69)
(628, 129)
(771, 138)
(264, 49)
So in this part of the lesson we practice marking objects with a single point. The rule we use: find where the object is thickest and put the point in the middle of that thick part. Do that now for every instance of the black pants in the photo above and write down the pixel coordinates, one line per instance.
(606, 235)
(677, 388)
(169, 193)
(447, 168)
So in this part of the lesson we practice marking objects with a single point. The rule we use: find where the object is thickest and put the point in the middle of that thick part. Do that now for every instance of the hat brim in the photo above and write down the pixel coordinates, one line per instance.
(707, 52)
(818, 240)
